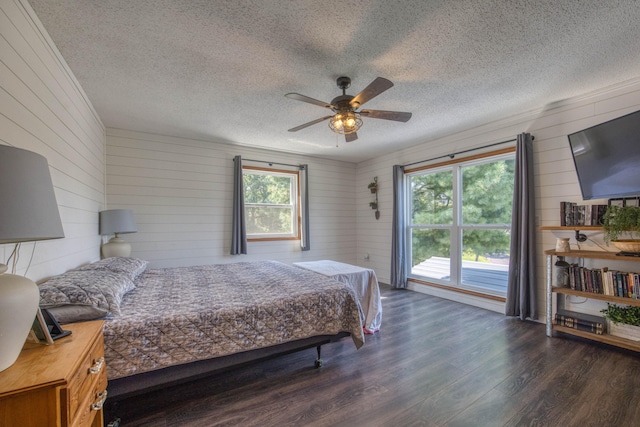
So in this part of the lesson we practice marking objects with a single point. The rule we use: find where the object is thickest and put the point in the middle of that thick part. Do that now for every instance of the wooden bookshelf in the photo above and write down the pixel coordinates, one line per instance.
(605, 338)
(601, 297)
(611, 256)
(553, 292)
(570, 228)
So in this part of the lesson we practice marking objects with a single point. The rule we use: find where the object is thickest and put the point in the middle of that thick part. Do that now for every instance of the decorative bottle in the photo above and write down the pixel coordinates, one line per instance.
(562, 273)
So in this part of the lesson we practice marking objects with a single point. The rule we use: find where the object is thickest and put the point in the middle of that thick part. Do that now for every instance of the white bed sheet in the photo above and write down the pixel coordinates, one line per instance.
(363, 281)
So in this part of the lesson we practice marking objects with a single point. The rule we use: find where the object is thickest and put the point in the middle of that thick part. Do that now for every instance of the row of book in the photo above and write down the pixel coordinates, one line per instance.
(572, 214)
(604, 281)
(580, 321)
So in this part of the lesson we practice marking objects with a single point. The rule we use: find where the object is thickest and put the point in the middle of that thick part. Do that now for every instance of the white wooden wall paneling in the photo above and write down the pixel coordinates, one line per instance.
(43, 109)
(181, 191)
(41, 62)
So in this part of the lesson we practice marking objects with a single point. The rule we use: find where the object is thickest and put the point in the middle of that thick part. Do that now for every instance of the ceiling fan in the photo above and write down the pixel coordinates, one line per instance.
(347, 120)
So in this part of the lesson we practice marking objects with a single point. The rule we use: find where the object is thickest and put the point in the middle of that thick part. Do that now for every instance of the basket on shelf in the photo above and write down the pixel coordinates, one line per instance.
(627, 245)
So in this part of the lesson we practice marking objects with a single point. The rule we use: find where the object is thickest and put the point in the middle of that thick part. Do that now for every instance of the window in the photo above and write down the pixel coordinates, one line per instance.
(271, 204)
(459, 223)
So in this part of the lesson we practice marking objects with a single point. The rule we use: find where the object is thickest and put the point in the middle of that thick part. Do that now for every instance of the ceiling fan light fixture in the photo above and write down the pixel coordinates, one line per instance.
(345, 123)
(345, 119)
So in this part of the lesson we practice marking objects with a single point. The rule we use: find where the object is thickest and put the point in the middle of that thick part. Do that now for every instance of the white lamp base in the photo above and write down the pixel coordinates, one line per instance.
(116, 247)
(19, 299)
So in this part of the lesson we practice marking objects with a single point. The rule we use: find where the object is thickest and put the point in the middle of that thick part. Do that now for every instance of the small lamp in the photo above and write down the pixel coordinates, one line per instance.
(28, 212)
(117, 221)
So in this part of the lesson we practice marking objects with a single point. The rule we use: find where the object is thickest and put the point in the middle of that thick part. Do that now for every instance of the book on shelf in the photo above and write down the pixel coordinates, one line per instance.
(604, 281)
(580, 321)
(573, 214)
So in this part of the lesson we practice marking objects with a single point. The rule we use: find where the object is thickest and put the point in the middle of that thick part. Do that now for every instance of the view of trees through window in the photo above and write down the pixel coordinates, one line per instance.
(270, 203)
(462, 212)
(431, 204)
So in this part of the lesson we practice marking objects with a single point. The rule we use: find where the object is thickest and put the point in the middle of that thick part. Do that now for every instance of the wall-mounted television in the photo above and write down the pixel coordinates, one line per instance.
(607, 158)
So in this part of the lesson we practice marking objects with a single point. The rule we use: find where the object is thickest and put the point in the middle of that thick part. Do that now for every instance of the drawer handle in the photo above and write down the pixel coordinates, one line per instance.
(97, 366)
(102, 397)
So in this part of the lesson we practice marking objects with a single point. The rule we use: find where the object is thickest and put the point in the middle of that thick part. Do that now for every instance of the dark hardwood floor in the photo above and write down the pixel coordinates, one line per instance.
(434, 363)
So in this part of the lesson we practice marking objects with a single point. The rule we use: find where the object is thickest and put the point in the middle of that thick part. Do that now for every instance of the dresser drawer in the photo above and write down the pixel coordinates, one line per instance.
(87, 385)
(92, 402)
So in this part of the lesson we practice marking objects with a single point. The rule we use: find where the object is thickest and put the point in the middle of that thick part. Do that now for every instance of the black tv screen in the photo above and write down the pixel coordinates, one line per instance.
(607, 158)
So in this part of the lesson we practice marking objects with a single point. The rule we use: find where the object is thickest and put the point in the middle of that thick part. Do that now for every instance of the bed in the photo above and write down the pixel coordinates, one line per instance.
(167, 325)
(364, 283)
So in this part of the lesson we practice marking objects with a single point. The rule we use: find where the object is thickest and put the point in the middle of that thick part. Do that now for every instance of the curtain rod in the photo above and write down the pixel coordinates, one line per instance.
(452, 155)
(273, 163)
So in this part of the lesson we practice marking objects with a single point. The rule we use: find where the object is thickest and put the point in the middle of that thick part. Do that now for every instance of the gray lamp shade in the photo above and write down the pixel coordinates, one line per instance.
(28, 212)
(28, 207)
(117, 221)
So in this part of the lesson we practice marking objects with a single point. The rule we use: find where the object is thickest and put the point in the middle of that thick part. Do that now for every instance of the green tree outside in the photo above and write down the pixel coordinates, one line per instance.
(268, 204)
(487, 192)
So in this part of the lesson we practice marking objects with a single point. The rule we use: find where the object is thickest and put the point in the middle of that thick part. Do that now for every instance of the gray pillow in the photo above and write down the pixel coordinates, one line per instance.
(76, 313)
(132, 267)
(86, 294)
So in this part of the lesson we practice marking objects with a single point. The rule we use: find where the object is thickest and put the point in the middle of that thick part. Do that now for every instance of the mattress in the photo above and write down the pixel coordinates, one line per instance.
(181, 315)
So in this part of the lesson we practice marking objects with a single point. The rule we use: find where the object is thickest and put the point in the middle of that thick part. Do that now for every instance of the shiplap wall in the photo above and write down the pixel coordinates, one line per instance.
(44, 109)
(555, 176)
(181, 191)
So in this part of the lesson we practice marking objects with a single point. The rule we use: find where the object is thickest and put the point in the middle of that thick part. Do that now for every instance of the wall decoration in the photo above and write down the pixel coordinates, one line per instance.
(373, 187)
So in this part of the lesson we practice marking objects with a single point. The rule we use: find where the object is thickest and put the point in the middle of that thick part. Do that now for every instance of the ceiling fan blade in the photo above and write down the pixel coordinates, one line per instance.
(397, 116)
(304, 98)
(350, 137)
(374, 89)
(297, 128)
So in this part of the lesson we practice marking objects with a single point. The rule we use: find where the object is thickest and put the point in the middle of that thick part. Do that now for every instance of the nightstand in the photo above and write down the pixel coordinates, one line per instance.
(63, 384)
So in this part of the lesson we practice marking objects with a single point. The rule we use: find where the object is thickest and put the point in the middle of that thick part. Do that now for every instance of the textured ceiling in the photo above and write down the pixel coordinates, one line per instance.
(218, 70)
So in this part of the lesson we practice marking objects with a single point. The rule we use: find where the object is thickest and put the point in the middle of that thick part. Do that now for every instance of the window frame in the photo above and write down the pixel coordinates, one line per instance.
(457, 227)
(296, 206)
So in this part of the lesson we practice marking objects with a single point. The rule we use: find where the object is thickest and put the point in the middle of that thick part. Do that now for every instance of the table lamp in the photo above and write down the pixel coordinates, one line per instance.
(28, 212)
(117, 221)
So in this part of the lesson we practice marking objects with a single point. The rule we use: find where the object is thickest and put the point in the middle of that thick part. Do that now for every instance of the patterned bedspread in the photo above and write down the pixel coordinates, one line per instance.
(179, 315)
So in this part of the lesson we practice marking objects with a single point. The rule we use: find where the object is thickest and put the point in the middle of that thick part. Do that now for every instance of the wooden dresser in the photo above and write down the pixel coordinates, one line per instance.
(63, 384)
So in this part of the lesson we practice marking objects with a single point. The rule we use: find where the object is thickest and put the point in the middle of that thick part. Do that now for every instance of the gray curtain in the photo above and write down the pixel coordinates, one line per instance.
(398, 247)
(305, 245)
(238, 225)
(521, 287)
